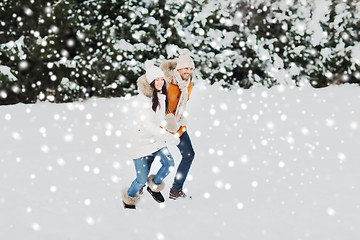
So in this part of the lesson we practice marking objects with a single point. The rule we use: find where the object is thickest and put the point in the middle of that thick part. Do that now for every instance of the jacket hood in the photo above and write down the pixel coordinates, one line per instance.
(144, 86)
(168, 67)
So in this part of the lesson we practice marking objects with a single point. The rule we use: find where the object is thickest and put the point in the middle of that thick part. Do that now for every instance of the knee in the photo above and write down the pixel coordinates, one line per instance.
(190, 155)
(169, 161)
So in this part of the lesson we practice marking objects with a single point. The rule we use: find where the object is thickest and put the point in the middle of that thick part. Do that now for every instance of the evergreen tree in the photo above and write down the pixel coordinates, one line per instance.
(253, 33)
(66, 50)
(337, 62)
(39, 60)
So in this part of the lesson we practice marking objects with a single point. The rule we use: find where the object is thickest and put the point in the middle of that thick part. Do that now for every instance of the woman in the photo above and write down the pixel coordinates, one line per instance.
(149, 138)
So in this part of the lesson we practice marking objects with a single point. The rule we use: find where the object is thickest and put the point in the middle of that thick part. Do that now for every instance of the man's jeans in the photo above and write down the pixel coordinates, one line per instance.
(188, 154)
(142, 169)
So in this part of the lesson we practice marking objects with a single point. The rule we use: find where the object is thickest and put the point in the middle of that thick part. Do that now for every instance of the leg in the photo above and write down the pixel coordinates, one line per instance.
(150, 160)
(142, 173)
(167, 162)
(155, 182)
(188, 154)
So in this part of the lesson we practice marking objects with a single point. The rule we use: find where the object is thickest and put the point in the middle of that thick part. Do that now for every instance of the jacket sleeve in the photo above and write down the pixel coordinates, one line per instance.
(155, 130)
(147, 120)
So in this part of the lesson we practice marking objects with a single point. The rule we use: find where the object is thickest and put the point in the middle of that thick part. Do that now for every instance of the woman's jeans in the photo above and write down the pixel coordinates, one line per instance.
(142, 169)
(188, 154)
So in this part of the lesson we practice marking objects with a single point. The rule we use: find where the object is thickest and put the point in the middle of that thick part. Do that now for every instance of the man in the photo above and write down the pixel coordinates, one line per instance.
(179, 78)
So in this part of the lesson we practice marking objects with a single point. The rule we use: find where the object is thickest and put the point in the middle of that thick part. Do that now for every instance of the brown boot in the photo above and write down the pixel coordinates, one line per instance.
(129, 202)
(174, 194)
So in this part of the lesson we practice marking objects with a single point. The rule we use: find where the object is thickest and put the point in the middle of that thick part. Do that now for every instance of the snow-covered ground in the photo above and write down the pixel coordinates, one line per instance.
(275, 164)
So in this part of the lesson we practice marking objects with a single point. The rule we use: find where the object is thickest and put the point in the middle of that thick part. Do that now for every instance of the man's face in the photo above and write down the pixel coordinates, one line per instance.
(185, 73)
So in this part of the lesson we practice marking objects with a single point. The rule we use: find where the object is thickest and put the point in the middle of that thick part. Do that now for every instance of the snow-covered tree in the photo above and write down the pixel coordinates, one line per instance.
(37, 47)
(66, 50)
(337, 50)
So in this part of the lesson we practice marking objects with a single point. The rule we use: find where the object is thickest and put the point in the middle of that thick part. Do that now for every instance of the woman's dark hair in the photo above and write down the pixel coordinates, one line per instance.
(155, 99)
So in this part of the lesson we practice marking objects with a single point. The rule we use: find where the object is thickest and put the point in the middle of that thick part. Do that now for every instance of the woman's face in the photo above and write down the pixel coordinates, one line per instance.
(159, 83)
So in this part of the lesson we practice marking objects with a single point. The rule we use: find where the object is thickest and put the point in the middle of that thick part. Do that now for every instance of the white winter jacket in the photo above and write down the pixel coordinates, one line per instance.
(147, 135)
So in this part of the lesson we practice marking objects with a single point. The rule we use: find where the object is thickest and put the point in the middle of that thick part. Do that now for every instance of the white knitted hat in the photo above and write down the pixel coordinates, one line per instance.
(152, 72)
(184, 60)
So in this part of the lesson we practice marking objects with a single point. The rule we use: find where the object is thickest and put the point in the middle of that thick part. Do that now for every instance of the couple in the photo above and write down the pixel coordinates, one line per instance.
(161, 103)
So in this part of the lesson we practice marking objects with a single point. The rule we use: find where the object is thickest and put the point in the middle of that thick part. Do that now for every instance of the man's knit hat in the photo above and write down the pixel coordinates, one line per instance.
(152, 72)
(184, 60)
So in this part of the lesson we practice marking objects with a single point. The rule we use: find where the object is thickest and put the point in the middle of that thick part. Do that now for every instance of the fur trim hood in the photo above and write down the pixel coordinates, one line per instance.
(168, 67)
(144, 86)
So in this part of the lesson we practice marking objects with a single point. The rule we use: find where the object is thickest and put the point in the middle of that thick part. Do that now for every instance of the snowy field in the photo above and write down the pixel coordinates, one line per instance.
(274, 164)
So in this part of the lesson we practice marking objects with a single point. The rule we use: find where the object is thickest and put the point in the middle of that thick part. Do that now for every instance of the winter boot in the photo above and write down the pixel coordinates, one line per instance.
(129, 202)
(154, 189)
(173, 194)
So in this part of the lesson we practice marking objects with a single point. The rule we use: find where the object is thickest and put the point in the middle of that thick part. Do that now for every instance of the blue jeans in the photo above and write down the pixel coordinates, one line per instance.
(187, 154)
(142, 169)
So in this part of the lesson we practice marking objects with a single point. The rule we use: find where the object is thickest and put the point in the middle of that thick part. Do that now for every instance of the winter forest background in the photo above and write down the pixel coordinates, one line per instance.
(273, 118)
(66, 50)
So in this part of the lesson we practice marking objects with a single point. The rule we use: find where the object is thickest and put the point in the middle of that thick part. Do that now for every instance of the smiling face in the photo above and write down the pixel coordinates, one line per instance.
(159, 83)
(185, 73)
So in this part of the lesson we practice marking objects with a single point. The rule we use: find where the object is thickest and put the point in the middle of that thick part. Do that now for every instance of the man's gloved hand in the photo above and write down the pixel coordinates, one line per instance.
(171, 123)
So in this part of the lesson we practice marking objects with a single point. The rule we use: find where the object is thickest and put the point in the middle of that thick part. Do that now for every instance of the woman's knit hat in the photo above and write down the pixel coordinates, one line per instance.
(152, 72)
(184, 60)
